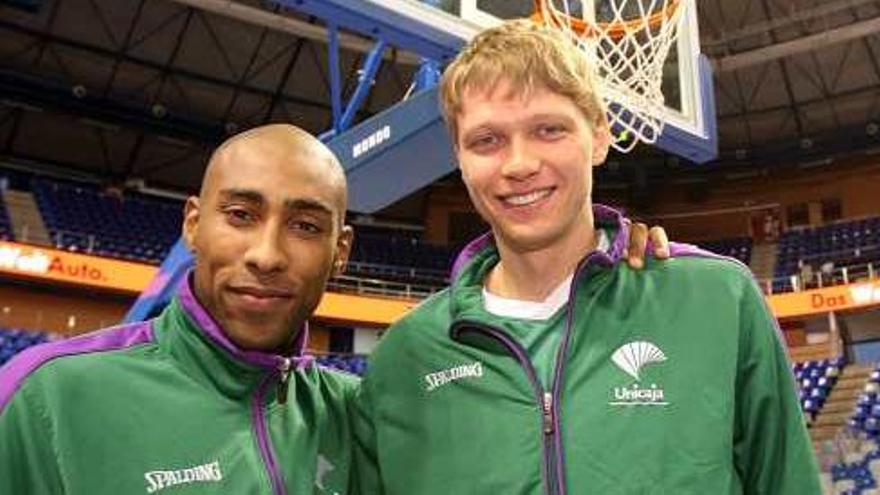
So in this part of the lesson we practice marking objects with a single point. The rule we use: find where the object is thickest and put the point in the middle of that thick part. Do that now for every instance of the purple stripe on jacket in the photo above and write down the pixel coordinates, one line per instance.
(209, 325)
(13, 374)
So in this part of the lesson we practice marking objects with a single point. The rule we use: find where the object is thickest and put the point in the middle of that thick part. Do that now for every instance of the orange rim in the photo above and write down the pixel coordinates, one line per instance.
(615, 30)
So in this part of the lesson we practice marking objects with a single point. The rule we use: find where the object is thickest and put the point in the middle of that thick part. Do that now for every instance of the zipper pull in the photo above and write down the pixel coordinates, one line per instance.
(283, 380)
(548, 413)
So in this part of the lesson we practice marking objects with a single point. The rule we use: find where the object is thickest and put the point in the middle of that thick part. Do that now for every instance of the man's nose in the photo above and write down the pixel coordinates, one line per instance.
(266, 253)
(521, 161)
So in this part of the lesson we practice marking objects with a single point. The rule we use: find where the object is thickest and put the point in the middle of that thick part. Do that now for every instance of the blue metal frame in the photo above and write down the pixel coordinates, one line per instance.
(428, 75)
(342, 119)
(164, 285)
(394, 153)
(378, 22)
(335, 77)
(698, 149)
(365, 81)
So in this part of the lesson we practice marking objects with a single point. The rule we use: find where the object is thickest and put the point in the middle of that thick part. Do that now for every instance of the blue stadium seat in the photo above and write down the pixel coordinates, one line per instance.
(13, 341)
(401, 257)
(83, 218)
(847, 243)
(738, 247)
(871, 426)
(350, 363)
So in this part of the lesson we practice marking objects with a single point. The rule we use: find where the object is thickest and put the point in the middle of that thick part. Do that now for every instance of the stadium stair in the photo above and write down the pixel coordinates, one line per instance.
(763, 261)
(24, 215)
(840, 404)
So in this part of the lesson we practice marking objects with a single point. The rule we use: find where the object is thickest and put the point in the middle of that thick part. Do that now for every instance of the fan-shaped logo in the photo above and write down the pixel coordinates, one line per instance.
(632, 358)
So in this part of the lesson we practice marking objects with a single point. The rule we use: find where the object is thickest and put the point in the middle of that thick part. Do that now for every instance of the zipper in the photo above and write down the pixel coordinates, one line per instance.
(283, 380)
(550, 462)
(554, 455)
(548, 413)
(258, 415)
(554, 397)
(543, 399)
(554, 459)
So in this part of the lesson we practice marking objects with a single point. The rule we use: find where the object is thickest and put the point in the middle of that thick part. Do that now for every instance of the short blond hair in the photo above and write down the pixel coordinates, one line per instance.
(528, 55)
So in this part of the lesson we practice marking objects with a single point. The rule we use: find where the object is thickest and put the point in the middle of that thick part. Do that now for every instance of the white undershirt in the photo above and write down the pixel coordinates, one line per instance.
(537, 310)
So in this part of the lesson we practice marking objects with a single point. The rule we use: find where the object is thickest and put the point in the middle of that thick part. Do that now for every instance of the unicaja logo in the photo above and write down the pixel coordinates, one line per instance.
(631, 359)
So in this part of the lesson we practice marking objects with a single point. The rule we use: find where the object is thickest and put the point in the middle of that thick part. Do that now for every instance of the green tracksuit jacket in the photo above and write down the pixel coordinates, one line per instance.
(171, 406)
(671, 380)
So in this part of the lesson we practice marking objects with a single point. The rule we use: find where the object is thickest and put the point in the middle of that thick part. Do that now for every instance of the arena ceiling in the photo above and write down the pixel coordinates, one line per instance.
(142, 89)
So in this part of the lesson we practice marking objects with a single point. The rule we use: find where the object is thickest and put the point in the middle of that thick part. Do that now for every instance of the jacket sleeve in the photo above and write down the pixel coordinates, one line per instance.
(772, 451)
(27, 458)
(366, 475)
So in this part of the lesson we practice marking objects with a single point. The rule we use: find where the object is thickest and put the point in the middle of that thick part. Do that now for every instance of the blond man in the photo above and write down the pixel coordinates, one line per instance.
(549, 366)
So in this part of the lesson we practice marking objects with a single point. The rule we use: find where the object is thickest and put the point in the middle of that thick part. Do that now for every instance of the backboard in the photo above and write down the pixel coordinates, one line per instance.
(689, 113)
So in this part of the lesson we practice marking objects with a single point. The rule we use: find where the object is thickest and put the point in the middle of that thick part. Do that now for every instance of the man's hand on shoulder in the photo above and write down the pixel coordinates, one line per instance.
(639, 234)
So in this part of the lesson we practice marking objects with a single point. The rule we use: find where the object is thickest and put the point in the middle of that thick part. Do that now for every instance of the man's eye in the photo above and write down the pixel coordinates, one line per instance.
(484, 141)
(304, 226)
(550, 131)
(239, 217)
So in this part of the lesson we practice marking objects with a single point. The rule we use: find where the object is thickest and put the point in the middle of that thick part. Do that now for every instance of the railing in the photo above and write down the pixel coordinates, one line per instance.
(844, 253)
(61, 238)
(841, 275)
(385, 288)
(398, 271)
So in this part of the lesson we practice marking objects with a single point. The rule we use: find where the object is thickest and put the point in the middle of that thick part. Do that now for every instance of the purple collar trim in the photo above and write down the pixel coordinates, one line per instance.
(470, 251)
(602, 215)
(209, 325)
(13, 374)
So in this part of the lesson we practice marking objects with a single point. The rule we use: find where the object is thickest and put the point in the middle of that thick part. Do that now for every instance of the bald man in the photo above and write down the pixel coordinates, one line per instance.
(214, 395)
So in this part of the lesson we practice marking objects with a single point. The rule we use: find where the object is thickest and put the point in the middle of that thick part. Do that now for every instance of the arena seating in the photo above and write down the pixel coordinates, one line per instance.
(399, 257)
(351, 363)
(13, 341)
(815, 380)
(866, 417)
(859, 472)
(854, 243)
(6, 233)
(83, 217)
(736, 247)
(86, 219)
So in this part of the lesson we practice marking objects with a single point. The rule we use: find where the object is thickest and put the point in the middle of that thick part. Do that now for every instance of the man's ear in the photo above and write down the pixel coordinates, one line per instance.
(190, 222)
(601, 143)
(343, 250)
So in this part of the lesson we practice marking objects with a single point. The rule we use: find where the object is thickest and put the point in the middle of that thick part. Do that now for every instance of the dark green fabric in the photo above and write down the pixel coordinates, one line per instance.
(731, 422)
(98, 423)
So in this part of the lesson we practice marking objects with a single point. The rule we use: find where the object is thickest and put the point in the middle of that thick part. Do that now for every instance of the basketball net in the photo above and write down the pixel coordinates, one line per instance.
(628, 48)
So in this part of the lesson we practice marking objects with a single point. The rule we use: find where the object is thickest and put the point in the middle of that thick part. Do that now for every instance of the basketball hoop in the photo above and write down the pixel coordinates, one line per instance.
(629, 43)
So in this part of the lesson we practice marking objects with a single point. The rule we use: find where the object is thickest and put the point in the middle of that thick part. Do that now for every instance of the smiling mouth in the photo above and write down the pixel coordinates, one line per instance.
(262, 294)
(527, 198)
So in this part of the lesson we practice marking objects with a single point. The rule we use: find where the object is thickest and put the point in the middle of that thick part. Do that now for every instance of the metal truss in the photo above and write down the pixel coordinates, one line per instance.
(786, 43)
(23, 79)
